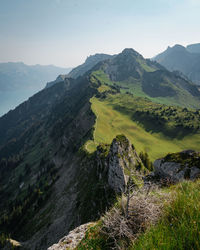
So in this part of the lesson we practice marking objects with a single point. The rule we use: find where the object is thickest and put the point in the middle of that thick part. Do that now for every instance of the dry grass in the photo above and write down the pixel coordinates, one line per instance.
(145, 209)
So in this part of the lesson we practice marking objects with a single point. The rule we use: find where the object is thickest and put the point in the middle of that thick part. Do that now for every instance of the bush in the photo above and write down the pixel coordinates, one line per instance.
(144, 210)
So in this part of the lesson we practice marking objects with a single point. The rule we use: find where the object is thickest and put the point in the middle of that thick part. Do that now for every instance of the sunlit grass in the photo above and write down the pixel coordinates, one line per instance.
(110, 122)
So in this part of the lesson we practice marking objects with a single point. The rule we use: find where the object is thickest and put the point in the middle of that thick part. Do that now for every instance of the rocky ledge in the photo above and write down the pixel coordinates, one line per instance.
(72, 239)
(178, 166)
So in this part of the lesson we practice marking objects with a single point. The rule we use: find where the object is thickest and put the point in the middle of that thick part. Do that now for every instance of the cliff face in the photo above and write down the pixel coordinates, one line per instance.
(122, 161)
(100, 177)
(86, 187)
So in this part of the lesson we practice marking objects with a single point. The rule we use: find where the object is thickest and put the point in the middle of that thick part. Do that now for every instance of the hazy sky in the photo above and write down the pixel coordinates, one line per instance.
(65, 32)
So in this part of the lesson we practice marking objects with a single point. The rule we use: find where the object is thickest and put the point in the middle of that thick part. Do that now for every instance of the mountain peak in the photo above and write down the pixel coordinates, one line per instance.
(97, 57)
(178, 47)
(183, 59)
(130, 51)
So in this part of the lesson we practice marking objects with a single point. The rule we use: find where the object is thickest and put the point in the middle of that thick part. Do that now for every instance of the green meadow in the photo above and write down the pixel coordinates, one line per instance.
(134, 86)
(111, 122)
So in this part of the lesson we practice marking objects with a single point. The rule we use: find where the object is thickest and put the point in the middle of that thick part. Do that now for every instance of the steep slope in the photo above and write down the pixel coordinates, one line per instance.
(186, 60)
(33, 112)
(39, 142)
(19, 81)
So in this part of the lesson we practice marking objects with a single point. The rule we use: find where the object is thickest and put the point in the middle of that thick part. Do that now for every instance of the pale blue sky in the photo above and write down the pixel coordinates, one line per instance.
(65, 32)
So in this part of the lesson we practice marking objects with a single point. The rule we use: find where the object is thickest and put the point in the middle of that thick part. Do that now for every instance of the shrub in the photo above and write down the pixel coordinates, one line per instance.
(144, 210)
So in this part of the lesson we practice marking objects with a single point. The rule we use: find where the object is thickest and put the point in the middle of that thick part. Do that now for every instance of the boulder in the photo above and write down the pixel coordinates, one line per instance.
(178, 166)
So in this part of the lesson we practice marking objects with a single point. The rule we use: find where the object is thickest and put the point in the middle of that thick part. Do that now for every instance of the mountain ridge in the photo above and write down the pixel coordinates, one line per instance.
(184, 59)
(56, 149)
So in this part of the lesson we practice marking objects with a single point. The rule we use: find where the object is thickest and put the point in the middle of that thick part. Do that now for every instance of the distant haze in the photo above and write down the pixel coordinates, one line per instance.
(65, 32)
(18, 82)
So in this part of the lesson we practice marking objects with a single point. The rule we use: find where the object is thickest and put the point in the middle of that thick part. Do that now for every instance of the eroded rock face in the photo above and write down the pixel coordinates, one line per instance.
(112, 166)
(179, 166)
(120, 161)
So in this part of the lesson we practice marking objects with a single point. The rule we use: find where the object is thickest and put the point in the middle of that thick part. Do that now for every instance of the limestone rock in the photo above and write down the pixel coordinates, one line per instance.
(179, 166)
(72, 239)
(120, 161)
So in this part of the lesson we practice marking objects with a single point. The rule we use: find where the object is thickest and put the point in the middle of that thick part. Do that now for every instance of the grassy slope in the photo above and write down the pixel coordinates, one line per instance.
(183, 99)
(110, 123)
(133, 86)
(180, 226)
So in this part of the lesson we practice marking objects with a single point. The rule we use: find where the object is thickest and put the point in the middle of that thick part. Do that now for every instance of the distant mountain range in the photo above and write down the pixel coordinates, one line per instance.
(19, 81)
(184, 59)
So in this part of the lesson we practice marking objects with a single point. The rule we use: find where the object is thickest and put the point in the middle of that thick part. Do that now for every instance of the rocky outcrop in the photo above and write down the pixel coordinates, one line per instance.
(122, 158)
(120, 161)
(90, 62)
(60, 78)
(179, 166)
(72, 239)
(106, 172)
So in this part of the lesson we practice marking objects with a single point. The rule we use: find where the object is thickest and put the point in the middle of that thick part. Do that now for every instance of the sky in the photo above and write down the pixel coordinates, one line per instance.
(65, 32)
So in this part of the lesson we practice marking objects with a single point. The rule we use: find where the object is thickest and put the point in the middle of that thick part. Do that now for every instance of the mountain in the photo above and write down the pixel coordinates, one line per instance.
(71, 149)
(80, 70)
(143, 77)
(19, 81)
(88, 64)
(193, 48)
(186, 60)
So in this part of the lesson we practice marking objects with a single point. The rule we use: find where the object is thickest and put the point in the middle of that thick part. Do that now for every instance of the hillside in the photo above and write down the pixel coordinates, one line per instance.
(19, 81)
(186, 60)
(141, 77)
(67, 152)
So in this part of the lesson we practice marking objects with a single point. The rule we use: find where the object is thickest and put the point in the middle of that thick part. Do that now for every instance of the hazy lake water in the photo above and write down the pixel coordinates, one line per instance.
(10, 99)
